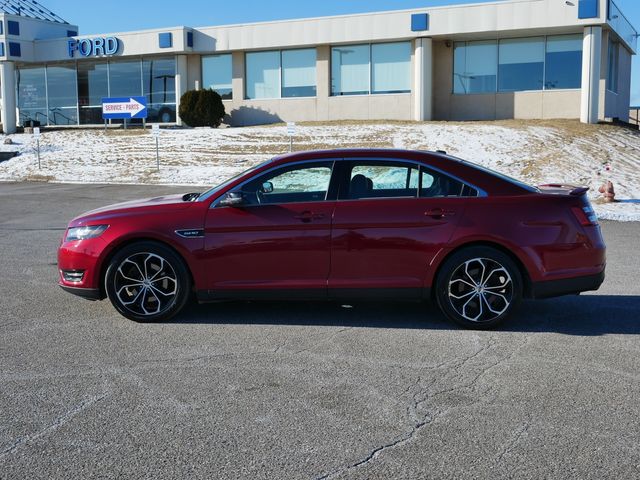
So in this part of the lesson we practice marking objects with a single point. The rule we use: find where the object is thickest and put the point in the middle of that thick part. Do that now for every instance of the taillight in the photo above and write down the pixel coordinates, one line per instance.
(585, 215)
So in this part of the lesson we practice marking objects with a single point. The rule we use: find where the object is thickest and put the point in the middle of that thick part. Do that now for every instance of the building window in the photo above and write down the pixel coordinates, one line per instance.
(125, 78)
(299, 73)
(62, 99)
(159, 86)
(93, 86)
(32, 95)
(350, 70)
(391, 68)
(475, 67)
(366, 69)
(563, 67)
(263, 75)
(613, 66)
(281, 74)
(518, 64)
(217, 74)
(13, 27)
(521, 64)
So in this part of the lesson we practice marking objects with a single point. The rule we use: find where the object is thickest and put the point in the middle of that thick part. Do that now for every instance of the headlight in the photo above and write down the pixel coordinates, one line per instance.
(83, 233)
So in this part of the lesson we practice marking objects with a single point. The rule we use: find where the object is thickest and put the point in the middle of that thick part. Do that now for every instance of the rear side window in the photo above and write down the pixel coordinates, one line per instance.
(382, 180)
(436, 184)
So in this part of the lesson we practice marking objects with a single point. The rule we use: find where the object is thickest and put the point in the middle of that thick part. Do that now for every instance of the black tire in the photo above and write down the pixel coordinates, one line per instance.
(478, 287)
(147, 282)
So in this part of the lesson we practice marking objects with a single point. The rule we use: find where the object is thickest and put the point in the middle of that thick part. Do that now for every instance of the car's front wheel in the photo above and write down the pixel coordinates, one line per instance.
(478, 287)
(147, 282)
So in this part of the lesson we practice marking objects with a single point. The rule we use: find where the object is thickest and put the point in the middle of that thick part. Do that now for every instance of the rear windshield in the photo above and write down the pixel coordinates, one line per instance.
(504, 177)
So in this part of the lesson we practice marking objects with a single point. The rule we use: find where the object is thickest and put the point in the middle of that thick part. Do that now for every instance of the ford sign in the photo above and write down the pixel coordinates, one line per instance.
(93, 47)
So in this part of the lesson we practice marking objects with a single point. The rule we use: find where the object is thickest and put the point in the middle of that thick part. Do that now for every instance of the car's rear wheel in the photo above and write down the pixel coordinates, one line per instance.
(478, 287)
(147, 282)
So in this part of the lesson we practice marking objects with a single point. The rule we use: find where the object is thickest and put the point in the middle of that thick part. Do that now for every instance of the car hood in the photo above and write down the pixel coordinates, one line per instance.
(155, 204)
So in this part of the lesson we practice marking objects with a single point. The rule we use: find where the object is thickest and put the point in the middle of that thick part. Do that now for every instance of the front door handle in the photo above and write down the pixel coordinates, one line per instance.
(308, 216)
(439, 213)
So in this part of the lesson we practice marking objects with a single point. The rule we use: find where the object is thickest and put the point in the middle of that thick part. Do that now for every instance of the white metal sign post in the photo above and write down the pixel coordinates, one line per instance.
(155, 131)
(291, 130)
(36, 135)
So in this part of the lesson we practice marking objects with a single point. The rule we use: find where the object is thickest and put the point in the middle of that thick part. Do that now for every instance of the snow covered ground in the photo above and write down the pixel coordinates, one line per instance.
(534, 151)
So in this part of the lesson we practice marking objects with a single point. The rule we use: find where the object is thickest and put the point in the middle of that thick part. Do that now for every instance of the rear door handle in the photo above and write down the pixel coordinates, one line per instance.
(307, 216)
(439, 213)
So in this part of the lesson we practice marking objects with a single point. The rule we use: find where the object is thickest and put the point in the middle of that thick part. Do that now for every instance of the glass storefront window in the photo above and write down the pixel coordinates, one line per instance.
(125, 78)
(350, 70)
(299, 73)
(159, 85)
(93, 86)
(32, 95)
(475, 67)
(563, 68)
(263, 75)
(63, 99)
(217, 74)
(521, 64)
(391, 67)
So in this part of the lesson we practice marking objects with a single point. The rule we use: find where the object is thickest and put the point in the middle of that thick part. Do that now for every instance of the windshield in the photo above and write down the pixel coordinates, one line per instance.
(213, 191)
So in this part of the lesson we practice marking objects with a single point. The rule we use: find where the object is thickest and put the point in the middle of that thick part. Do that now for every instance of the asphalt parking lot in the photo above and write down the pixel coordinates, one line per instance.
(306, 391)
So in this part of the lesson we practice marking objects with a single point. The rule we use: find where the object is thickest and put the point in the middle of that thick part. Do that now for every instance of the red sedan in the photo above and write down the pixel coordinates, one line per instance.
(342, 224)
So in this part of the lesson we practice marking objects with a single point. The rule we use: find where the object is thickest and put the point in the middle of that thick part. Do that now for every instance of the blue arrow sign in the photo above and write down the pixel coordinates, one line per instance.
(124, 107)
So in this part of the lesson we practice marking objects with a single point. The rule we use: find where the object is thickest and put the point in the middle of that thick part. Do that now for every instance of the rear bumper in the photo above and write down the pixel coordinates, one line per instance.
(567, 286)
(87, 293)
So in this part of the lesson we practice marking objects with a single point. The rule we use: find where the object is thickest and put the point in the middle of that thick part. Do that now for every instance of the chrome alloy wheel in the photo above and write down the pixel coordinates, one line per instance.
(480, 290)
(145, 284)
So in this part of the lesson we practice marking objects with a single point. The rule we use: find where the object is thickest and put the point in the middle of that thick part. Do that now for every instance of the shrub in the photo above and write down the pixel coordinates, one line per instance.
(202, 108)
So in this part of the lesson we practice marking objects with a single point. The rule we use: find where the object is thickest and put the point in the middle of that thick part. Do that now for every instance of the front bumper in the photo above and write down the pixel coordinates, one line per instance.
(86, 293)
(567, 286)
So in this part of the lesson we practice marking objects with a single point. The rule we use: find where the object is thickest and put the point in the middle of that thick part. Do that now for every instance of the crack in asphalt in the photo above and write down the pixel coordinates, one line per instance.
(329, 336)
(511, 444)
(57, 423)
(422, 396)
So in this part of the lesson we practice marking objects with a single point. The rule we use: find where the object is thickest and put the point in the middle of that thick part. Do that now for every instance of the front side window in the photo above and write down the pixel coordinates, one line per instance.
(563, 67)
(475, 67)
(217, 74)
(521, 64)
(308, 182)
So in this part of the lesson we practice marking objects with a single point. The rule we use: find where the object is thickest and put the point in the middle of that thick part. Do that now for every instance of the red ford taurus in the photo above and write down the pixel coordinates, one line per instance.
(342, 224)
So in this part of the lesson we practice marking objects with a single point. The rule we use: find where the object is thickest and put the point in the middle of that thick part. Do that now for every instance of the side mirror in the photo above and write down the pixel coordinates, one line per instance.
(267, 187)
(232, 199)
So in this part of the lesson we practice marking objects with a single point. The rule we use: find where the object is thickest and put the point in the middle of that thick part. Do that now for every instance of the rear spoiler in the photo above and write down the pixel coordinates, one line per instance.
(563, 189)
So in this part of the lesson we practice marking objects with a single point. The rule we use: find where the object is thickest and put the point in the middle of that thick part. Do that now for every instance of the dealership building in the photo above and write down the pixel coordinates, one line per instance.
(524, 59)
